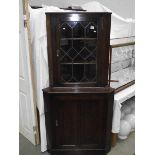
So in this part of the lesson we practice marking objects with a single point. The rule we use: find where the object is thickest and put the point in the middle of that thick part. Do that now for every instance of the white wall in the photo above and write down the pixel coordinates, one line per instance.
(124, 8)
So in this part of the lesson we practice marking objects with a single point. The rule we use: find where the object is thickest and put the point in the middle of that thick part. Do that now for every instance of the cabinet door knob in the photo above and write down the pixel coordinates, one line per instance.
(56, 123)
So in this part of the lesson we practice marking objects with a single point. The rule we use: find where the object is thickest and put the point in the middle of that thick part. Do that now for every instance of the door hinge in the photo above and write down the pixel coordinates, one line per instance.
(25, 21)
(36, 136)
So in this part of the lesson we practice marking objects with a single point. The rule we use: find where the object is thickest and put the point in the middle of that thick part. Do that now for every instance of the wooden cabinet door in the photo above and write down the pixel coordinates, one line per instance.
(78, 48)
(66, 123)
(93, 123)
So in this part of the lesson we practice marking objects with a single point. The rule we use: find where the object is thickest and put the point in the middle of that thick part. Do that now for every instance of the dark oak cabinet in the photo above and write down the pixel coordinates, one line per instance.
(79, 102)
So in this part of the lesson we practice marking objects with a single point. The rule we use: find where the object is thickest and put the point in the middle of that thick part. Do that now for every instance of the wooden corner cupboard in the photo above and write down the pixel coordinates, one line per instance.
(79, 102)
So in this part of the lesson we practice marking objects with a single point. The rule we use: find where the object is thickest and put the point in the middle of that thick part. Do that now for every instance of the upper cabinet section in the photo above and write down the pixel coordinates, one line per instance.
(78, 48)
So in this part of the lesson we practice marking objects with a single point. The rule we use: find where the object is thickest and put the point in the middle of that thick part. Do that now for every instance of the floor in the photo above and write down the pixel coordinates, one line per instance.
(126, 147)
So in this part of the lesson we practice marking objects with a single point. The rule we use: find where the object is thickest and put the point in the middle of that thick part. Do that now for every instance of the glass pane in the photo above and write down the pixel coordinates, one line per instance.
(65, 44)
(90, 72)
(78, 72)
(84, 53)
(77, 53)
(78, 31)
(78, 45)
(61, 54)
(91, 31)
(66, 72)
(84, 23)
(78, 59)
(72, 53)
(65, 59)
(84, 79)
(92, 57)
(66, 31)
(90, 44)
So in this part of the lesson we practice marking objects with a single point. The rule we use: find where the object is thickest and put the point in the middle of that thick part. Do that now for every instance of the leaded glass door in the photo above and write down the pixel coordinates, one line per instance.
(76, 53)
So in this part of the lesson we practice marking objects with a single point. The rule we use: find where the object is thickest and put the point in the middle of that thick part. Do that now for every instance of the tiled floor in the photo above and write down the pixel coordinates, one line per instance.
(126, 147)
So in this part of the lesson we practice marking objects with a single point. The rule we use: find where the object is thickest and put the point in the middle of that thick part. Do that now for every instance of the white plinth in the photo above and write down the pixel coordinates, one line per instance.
(119, 98)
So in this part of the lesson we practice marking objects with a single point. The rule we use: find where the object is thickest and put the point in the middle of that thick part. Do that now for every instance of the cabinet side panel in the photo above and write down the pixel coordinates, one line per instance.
(49, 48)
(103, 49)
(52, 24)
(49, 117)
(110, 101)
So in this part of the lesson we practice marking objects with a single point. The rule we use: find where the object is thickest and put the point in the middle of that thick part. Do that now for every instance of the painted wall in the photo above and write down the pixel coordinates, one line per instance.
(124, 8)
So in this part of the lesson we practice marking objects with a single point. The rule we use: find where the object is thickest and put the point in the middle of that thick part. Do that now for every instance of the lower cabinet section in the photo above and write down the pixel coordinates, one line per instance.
(78, 123)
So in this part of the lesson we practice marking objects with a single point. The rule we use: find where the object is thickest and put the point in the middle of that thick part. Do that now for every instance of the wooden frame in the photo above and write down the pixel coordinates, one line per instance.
(110, 58)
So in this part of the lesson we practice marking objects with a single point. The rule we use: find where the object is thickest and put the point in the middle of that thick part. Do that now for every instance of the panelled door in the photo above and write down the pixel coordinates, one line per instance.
(27, 112)
(93, 123)
(66, 123)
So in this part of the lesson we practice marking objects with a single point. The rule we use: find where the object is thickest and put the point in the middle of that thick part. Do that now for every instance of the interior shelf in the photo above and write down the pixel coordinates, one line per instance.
(78, 39)
(77, 63)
